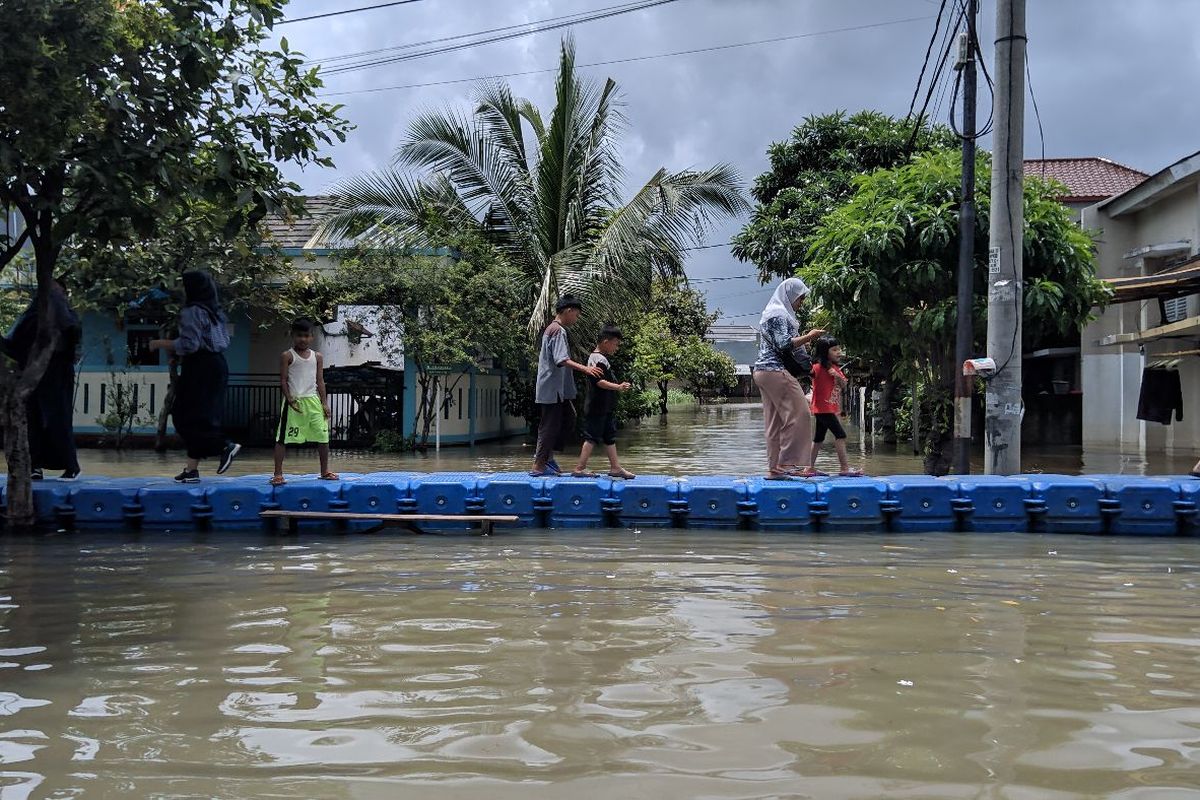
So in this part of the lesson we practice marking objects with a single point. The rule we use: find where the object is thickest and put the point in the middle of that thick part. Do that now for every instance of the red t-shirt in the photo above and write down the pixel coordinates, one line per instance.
(826, 397)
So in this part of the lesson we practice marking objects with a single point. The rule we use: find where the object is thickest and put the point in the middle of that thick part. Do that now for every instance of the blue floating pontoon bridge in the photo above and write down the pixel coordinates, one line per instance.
(462, 502)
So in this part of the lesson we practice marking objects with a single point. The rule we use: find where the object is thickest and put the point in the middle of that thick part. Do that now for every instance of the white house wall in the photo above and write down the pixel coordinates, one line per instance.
(1112, 374)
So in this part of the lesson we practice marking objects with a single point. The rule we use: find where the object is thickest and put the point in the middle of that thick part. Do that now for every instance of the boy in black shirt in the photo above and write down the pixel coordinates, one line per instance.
(601, 426)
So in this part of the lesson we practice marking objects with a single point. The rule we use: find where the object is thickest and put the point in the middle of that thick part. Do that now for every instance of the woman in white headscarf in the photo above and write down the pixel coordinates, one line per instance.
(785, 409)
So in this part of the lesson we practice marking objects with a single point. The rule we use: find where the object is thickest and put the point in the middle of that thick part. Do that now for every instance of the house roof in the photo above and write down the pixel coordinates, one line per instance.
(1164, 183)
(298, 232)
(1089, 179)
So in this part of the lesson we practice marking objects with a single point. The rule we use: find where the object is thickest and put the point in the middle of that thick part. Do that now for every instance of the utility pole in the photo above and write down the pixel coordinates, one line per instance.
(1006, 234)
(965, 331)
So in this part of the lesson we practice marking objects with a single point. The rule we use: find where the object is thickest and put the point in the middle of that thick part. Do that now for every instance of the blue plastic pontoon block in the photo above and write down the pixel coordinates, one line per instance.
(922, 503)
(995, 503)
(647, 501)
(716, 501)
(166, 504)
(579, 502)
(1141, 504)
(783, 505)
(513, 493)
(853, 504)
(1067, 504)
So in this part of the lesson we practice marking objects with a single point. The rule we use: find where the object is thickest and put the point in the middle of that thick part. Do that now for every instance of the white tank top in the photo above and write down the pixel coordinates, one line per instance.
(302, 375)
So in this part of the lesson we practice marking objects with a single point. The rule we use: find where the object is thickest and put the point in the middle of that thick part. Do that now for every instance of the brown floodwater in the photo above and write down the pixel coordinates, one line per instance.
(601, 664)
(726, 439)
(606, 664)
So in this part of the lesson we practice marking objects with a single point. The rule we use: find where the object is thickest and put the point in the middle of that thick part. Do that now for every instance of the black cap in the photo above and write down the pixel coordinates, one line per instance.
(568, 301)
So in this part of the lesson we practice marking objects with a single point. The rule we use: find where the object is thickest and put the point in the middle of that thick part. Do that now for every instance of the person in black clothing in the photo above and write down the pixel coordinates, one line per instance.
(51, 407)
(600, 426)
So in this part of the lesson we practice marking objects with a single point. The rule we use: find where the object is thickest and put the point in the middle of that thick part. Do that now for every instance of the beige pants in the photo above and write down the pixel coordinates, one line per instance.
(788, 420)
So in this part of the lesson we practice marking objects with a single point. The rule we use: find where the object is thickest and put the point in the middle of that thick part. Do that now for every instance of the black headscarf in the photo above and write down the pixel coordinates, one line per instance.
(199, 289)
(20, 340)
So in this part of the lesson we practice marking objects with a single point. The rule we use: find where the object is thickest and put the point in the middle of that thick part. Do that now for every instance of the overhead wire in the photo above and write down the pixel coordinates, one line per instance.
(631, 59)
(460, 36)
(933, 84)
(925, 64)
(499, 37)
(346, 11)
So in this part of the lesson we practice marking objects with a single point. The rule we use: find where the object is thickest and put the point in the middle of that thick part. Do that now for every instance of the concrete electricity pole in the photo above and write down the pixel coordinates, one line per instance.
(964, 337)
(1004, 408)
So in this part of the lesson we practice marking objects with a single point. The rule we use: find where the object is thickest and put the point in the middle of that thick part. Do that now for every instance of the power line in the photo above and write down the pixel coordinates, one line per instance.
(458, 37)
(934, 81)
(632, 59)
(396, 59)
(912, 104)
(346, 11)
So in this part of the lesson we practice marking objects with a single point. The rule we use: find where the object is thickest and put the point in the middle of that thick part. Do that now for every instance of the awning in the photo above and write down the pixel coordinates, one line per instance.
(1180, 281)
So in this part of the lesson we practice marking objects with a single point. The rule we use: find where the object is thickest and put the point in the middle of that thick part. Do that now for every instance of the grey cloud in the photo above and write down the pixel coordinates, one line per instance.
(1112, 78)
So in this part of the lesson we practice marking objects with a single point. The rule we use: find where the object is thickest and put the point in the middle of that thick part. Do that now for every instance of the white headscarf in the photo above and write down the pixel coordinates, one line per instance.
(780, 304)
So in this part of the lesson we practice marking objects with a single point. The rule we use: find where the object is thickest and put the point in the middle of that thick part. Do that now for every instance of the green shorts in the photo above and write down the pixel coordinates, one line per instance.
(308, 425)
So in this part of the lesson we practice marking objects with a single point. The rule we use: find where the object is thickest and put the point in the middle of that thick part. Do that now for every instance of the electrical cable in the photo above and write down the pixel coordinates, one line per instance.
(458, 37)
(346, 11)
(921, 116)
(396, 59)
(925, 65)
(1036, 113)
(629, 60)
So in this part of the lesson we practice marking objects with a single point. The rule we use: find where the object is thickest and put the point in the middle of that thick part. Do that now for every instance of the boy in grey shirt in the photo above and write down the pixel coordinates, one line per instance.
(555, 390)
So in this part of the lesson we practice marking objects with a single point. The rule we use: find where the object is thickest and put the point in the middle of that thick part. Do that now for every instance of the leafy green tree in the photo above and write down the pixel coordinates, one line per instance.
(883, 268)
(813, 173)
(546, 191)
(444, 312)
(112, 111)
(668, 343)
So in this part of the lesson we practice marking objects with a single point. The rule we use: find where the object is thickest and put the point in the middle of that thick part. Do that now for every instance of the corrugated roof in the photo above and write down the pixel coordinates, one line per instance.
(1088, 179)
(297, 231)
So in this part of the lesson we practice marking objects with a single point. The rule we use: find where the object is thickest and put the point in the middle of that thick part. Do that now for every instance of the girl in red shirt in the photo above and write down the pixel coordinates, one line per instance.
(828, 382)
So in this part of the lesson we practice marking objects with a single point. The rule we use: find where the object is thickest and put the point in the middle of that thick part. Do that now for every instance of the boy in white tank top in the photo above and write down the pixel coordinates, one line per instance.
(304, 418)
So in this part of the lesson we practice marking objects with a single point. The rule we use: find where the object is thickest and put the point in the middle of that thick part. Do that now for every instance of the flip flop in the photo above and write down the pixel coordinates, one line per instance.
(329, 476)
(584, 474)
(278, 480)
(1194, 474)
(780, 476)
(852, 473)
(624, 475)
(809, 473)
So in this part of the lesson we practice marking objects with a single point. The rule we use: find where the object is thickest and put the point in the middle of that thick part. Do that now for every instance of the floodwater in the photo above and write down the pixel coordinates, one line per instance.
(607, 664)
(725, 439)
(541, 665)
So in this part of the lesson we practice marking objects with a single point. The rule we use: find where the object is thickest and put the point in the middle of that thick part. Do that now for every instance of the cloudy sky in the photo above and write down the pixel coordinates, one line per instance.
(1113, 78)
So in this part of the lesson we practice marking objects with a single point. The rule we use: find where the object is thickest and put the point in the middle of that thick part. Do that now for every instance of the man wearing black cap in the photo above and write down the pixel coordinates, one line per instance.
(556, 386)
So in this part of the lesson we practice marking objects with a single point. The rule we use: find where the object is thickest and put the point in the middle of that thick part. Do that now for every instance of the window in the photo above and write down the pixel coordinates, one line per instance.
(1175, 309)
(137, 341)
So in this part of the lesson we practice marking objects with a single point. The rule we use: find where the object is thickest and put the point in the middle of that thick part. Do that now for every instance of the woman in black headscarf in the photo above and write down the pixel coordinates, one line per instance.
(51, 407)
(203, 375)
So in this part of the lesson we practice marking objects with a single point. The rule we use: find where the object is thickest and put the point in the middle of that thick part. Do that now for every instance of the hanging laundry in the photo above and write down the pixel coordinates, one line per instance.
(1161, 395)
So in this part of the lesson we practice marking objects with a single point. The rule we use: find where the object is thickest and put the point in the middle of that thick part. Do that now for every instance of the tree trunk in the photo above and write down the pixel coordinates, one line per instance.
(663, 396)
(168, 403)
(887, 412)
(421, 419)
(15, 389)
(940, 443)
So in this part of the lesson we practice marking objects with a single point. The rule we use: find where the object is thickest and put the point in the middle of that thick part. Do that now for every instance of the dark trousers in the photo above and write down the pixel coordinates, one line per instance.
(556, 424)
(51, 410)
(199, 403)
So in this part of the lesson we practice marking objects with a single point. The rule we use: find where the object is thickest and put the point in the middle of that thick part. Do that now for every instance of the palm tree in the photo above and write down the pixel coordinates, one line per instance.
(547, 194)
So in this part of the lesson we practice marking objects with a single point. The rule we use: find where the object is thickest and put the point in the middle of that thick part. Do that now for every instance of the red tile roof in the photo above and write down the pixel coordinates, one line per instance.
(1088, 179)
